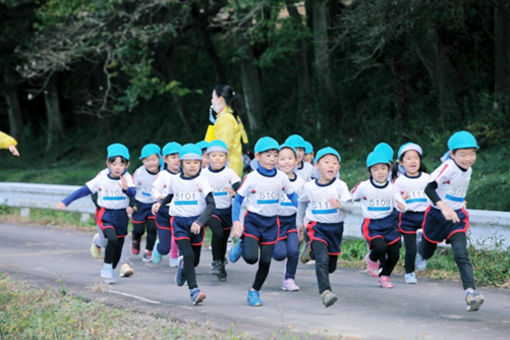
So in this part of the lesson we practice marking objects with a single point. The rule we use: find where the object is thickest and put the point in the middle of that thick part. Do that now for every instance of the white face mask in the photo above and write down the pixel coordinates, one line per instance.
(218, 107)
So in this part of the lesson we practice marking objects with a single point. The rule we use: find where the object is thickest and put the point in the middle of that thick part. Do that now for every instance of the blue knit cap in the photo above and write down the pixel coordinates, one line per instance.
(117, 149)
(386, 149)
(190, 151)
(462, 140)
(407, 147)
(217, 145)
(150, 149)
(288, 146)
(266, 144)
(202, 145)
(171, 148)
(328, 150)
(308, 147)
(375, 157)
(296, 140)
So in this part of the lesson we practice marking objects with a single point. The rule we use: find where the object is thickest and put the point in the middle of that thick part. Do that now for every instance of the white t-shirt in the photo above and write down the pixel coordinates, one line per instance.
(318, 195)
(376, 202)
(414, 187)
(306, 172)
(452, 183)
(109, 192)
(160, 185)
(189, 195)
(219, 180)
(143, 180)
(263, 193)
(286, 206)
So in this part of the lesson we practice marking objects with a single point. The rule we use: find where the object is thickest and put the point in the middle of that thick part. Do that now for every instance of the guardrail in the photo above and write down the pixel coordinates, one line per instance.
(489, 229)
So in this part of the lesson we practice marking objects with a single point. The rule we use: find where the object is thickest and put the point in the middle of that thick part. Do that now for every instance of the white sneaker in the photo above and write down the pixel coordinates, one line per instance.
(126, 270)
(107, 273)
(95, 251)
(410, 278)
(420, 263)
(172, 262)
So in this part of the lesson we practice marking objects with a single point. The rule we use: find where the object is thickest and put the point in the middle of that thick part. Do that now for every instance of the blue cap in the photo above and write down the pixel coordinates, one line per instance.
(462, 140)
(202, 144)
(190, 151)
(288, 146)
(171, 148)
(296, 140)
(375, 157)
(407, 147)
(117, 149)
(328, 150)
(217, 145)
(386, 149)
(150, 149)
(308, 147)
(266, 144)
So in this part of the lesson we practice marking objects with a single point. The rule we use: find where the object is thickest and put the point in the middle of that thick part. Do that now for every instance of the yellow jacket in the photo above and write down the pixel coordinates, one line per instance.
(6, 141)
(232, 132)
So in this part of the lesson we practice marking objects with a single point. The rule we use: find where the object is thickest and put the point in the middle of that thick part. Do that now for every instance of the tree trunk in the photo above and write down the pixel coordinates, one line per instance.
(251, 88)
(398, 69)
(502, 52)
(53, 114)
(12, 100)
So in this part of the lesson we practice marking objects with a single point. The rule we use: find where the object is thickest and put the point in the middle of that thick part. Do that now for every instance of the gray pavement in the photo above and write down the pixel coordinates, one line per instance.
(433, 309)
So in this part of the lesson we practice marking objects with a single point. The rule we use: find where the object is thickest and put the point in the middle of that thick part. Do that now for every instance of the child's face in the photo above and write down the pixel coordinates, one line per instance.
(117, 167)
(379, 172)
(267, 159)
(328, 167)
(287, 160)
(411, 162)
(309, 157)
(191, 167)
(300, 154)
(151, 163)
(464, 157)
(205, 159)
(217, 159)
(172, 162)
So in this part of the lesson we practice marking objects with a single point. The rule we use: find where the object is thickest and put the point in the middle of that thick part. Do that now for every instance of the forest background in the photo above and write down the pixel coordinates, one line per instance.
(77, 75)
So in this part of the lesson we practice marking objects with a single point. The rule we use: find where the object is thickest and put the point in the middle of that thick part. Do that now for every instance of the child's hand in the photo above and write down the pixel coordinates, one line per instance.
(448, 212)
(230, 191)
(301, 233)
(405, 196)
(123, 183)
(237, 229)
(60, 206)
(195, 228)
(155, 208)
(334, 203)
(130, 210)
(401, 206)
(14, 150)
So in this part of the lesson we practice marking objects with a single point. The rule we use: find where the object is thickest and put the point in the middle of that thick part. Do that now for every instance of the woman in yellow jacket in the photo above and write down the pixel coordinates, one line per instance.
(7, 142)
(228, 126)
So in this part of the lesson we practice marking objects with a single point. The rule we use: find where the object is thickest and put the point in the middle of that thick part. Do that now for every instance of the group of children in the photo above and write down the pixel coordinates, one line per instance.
(292, 195)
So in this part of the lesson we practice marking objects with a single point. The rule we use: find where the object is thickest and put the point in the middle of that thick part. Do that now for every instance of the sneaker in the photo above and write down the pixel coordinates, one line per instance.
(135, 247)
(384, 281)
(197, 296)
(173, 261)
(254, 298)
(147, 256)
(236, 252)
(180, 279)
(107, 273)
(420, 263)
(126, 270)
(95, 251)
(290, 285)
(215, 270)
(305, 253)
(410, 278)
(473, 300)
(222, 276)
(372, 267)
(156, 256)
(328, 298)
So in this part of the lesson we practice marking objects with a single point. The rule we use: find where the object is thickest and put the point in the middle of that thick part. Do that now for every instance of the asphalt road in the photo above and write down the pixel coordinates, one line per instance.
(432, 309)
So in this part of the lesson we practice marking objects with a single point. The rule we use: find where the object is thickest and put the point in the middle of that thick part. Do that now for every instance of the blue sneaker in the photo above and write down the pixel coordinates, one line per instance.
(236, 252)
(420, 263)
(180, 279)
(196, 296)
(156, 256)
(254, 298)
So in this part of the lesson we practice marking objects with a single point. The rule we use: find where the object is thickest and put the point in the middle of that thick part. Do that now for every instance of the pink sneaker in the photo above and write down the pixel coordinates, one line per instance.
(290, 285)
(372, 267)
(384, 281)
(173, 249)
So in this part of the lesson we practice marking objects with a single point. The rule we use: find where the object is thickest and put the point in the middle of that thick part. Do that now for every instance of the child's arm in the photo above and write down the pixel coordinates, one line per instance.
(81, 192)
(236, 212)
(448, 213)
(206, 214)
(164, 201)
(300, 216)
(293, 198)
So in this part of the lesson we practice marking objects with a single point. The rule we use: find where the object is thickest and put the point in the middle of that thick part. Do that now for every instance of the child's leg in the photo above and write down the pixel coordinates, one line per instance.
(333, 261)
(113, 247)
(266, 253)
(280, 250)
(226, 235)
(410, 257)
(196, 252)
(151, 233)
(292, 255)
(320, 250)
(173, 249)
(217, 238)
(460, 254)
(138, 230)
(188, 254)
(164, 235)
(251, 250)
(378, 248)
(427, 249)
(393, 254)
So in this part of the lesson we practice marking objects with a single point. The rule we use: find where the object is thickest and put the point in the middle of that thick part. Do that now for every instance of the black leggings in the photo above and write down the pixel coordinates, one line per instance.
(410, 257)
(191, 255)
(460, 255)
(113, 247)
(139, 229)
(251, 255)
(325, 264)
(219, 239)
(380, 250)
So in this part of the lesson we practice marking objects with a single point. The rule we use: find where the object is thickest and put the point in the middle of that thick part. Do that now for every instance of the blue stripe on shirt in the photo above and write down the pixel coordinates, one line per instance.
(146, 194)
(286, 204)
(268, 201)
(454, 198)
(417, 200)
(220, 193)
(186, 202)
(324, 211)
(378, 208)
(114, 198)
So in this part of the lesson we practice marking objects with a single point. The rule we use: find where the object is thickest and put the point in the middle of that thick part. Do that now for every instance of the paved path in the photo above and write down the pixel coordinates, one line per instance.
(430, 310)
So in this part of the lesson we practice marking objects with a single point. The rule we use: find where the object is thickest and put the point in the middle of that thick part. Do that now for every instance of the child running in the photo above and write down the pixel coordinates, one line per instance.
(447, 220)
(165, 244)
(409, 191)
(303, 169)
(192, 204)
(379, 218)
(262, 189)
(309, 154)
(324, 202)
(224, 183)
(287, 246)
(114, 187)
(142, 217)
